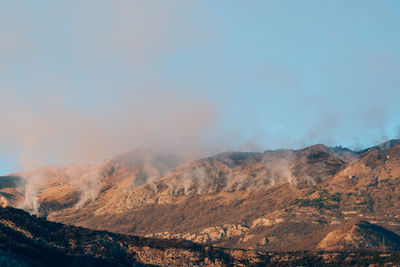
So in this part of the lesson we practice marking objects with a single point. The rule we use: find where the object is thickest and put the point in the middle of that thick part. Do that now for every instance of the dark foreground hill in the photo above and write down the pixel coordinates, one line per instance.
(26, 240)
(30, 240)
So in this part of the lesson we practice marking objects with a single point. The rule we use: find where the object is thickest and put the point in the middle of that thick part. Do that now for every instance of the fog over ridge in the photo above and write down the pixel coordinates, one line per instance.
(82, 86)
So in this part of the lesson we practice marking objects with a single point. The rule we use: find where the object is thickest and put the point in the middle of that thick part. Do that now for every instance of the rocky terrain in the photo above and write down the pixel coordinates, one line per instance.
(27, 240)
(316, 198)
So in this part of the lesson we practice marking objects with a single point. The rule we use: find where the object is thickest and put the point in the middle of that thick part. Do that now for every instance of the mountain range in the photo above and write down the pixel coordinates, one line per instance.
(317, 198)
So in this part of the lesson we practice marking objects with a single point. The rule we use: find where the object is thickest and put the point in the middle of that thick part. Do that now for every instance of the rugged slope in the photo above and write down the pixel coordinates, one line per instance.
(26, 240)
(275, 200)
(36, 241)
(223, 200)
(359, 234)
(52, 187)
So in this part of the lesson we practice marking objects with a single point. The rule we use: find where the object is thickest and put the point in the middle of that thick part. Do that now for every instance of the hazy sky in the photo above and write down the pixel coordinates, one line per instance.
(83, 80)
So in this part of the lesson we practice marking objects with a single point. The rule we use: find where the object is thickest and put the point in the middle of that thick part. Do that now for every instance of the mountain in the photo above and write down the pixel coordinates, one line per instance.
(281, 200)
(27, 240)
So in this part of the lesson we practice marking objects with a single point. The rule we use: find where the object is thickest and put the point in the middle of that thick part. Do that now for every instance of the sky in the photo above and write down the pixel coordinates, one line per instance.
(81, 81)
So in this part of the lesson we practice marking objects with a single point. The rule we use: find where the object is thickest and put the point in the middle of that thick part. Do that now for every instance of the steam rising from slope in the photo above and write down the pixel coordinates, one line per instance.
(240, 171)
(89, 186)
(199, 180)
(84, 182)
(32, 187)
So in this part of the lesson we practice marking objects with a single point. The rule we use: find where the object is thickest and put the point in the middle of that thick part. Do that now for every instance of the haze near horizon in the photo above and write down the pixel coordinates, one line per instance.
(80, 82)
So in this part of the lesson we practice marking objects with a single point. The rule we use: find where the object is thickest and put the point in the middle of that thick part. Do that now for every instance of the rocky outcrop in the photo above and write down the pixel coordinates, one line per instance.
(265, 221)
(359, 234)
(210, 235)
(3, 202)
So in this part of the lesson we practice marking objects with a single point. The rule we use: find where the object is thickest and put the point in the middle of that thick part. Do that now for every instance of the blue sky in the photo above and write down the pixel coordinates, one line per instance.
(83, 81)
